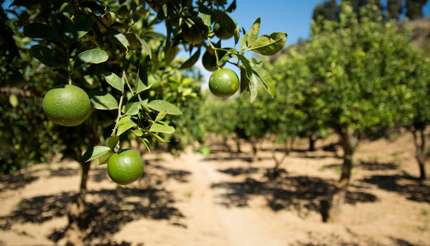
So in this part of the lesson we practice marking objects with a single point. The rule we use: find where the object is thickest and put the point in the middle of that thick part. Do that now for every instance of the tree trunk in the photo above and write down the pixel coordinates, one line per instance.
(348, 147)
(254, 150)
(76, 214)
(332, 204)
(238, 147)
(420, 148)
(225, 144)
(274, 172)
(312, 140)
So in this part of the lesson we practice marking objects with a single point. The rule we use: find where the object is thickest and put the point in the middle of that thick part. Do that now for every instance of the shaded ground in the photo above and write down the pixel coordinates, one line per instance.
(225, 199)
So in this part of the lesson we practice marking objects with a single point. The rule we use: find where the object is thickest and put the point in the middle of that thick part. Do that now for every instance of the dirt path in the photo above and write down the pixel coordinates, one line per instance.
(223, 200)
(240, 226)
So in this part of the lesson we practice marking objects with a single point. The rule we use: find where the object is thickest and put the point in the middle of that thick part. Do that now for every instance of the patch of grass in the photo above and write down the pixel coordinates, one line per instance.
(205, 150)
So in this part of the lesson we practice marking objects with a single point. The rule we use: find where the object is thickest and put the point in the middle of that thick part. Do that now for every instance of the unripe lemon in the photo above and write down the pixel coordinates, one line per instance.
(223, 31)
(125, 167)
(223, 82)
(68, 106)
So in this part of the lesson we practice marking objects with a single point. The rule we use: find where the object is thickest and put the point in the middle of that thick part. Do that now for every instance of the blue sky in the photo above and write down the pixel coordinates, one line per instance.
(290, 16)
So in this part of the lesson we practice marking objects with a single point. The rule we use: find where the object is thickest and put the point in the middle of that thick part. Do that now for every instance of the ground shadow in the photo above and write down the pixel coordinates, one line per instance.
(63, 172)
(300, 193)
(408, 187)
(401, 242)
(237, 171)
(367, 165)
(108, 210)
(16, 181)
(166, 173)
(235, 157)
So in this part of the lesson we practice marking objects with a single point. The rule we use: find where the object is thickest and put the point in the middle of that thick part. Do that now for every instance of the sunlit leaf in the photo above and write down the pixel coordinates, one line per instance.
(269, 45)
(94, 56)
(125, 124)
(122, 39)
(96, 152)
(156, 127)
(115, 81)
(105, 102)
(163, 106)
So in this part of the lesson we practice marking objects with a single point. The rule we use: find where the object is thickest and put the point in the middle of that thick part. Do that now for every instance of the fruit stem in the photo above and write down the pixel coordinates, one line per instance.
(69, 68)
(129, 86)
(216, 54)
(119, 115)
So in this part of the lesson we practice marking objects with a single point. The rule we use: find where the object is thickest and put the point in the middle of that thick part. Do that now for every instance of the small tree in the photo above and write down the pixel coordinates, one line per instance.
(418, 114)
(361, 75)
(355, 69)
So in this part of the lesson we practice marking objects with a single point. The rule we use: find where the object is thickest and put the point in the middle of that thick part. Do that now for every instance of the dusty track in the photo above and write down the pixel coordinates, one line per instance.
(224, 200)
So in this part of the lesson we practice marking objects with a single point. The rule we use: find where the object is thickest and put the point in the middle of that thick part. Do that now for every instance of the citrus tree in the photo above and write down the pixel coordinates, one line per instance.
(418, 115)
(295, 96)
(356, 72)
(113, 79)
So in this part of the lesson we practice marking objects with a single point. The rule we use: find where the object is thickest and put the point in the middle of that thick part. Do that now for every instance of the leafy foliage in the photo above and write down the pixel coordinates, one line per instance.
(110, 49)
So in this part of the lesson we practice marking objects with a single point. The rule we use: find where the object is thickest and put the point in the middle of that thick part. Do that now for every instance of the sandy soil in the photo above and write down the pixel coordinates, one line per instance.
(223, 199)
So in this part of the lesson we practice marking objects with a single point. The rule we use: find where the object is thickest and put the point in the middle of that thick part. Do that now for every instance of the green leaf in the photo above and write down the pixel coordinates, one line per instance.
(232, 7)
(94, 56)
(157, 127)
(206, 19)
(134, 41)
(125, 124)
(236, 35)
(192, 60)
(104, 158)
(112, 141)
(269, 45)
(141, 86)
(170, 53)
(132, 108)
(252, 35)
(96, 153)
(105, 102)
(13, 100)
(253, 87)
(122, 39)
(160, 116)
(47, 56)
(163, 106)
(244, 79)
(115, 81)
(250, 69)
(138, 132)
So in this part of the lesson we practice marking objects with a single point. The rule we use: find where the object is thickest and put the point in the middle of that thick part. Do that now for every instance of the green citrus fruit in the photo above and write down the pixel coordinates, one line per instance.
(223, 82)
(68, 106)
(209, 60)
(224, 31)
(195, 34)
(125, 167)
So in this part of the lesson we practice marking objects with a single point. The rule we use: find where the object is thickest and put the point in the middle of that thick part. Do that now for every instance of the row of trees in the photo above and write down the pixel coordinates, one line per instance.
(356, 77)
(392, 9)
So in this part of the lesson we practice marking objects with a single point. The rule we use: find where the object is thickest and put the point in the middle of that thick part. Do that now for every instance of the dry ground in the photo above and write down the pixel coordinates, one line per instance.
(223, 199)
